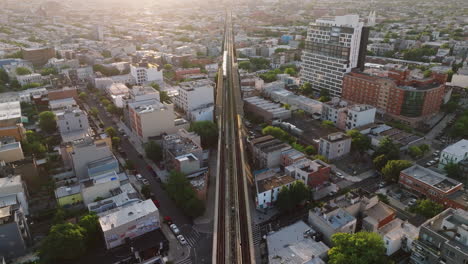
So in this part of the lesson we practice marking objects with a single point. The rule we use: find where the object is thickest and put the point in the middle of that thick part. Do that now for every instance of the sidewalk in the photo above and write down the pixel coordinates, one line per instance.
(356, 178)
(177, 252)
(204, 223)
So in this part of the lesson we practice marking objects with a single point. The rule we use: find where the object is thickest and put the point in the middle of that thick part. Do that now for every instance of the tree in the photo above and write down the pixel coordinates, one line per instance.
(284, 200)
(310, 150)
(15, 85)
(415, 152)
(306, 88)
(380, 162)
(129, 165)
(48, 71)
(194, 207)
(208, 132)
(146, 191)
(359, 142)
(388, 148)
(47, 121)
(164, 97)
(94, 111)
(358, 248)
(4, 78)
(426, 208)
(383, 198)
(110, 131)
(245, 65)
(322, 158)
(90, 223)
(299, 192)
(327, 124)
(290, 71)
(23, 71)
(168, 67)
(453, 171)
(276, 132)
(424, 148)
(155, 85)
(65, 242)
(30, 85)
(153, 151)
(180, 189)
(83, 96)
(392, 169)
(116, 141)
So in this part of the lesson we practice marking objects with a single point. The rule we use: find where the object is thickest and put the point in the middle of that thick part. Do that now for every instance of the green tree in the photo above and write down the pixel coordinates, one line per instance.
(424, 148)
(146, 191)
(116, 141)
(30, 85)
(23, 71)
(322, 158)
(64, 242)
(392, 169)
(359, 142)
(276, 132)
(194, 207)
(415, 152)
(208, 132)
(48, 71)
(426, 208)
(164, 97)
(284, 200)
(110, 131)
(47, 121)
(168, 67)
(299, 193)
(83, 96)
(290, 71)
(90, 223)
(106, 54)
(180, 189)
(155, 85)
(94, 111)
(388, 148)
(129, 165)
(310, 150)
(453, 171)
(380, 162)
(383, 198)
(358, 248)
(244, 65)
(153, 151)
(4, 78)
(306, 88)
(327, 124)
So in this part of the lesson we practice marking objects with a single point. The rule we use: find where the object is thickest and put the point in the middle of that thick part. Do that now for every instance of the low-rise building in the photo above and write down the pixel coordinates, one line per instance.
(266, 151)
(99, 187)
(335, 145)
(65, 92)
(348, 116)
(398, 234)
(146, 73)
(129, 222)
(29, 78)
(68, 196)
(268, 184)
(10, 150)
(122, 196)
(183, 151)
(291, 156)
(434, 186)
(266, 109)
(117, 92)
(72, 124)
(329, 221)
(195, 95)
(14, 230)
(14, 186)
(62, 104)
(443, 239)
(294, 244)
(312, 172)
(454, 153)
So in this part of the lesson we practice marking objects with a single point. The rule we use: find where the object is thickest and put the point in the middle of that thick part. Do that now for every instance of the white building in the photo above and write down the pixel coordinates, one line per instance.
(151, 118)
(268, 185)
(293, 245)
(281, 95)
(347, 116)
(129, 221)
(117, 91)
(10, 150)
(332, 49)
(13, 185)
(195, 94)
(29, 78)
(99, 186)
(336, 220)
(72, 124)
(454, 153)
(334, 145)
(145, 73)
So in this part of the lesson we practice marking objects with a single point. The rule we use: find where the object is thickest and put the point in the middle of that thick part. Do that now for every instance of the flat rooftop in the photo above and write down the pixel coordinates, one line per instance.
(10, 110)
(458, 149)
(67, 190)
(126, 214)
(147, 106)
(269, 180)
(431, 178)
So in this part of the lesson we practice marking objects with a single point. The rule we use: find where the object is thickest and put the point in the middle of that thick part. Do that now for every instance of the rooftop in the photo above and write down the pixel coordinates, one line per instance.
(65, 191)
(431, 178)
(180, 145)
(122, 215)
(271, 179)
(288, 245)
(10, 110)
(455, 220)
(458, 149)
(10, 181)
(147, 106)
(336, 218)
(9, 146)
(192, 85)
(272, 145)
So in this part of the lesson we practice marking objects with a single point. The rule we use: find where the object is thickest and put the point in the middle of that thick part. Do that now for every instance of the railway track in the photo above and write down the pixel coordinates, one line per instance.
(232, 239)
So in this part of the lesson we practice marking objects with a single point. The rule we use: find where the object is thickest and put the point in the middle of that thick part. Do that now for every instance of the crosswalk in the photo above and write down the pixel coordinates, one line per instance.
(185, 261)
(192, 237)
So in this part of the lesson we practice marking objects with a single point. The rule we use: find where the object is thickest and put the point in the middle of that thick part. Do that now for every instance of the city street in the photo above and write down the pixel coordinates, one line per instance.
(201, 243)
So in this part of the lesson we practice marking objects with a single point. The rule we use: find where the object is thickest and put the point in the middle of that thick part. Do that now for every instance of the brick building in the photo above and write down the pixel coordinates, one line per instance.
(312, 172)
(38, 56)
(409, 96)
(435, 186)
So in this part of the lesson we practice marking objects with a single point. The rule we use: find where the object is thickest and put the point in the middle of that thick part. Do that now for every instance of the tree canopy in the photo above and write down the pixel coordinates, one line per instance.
(208, 132)
(23, 71)
(180, 190)
(110, 131)
(153, 151)
(426, 208)
(453, 171)
(47, 121)
(276, 132)
(64, 242)
(359, 142)
(290, 197)
(388, 148)
(358, 248)
(392, 169)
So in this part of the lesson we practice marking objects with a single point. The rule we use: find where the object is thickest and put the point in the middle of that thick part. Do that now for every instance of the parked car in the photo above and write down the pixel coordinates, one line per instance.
(139, 177)
(381, 184)
(182, 240)
(167, 220)
(156, 202)
(339, 175)
(412, 202)
(145, 181)
(174, 229)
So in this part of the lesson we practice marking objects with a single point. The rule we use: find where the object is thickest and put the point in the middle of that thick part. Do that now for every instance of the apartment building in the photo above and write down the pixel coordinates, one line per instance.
(14, 230)
(291, 156)
(72, 124)
(144, 115)
(312, 172)
(268, 184)
(29, 78)
(117, 92)
(434, 186)
(333, 47)
(266, 151)
(10, 150)
(402, 94)
(348, 116)
(145, 73)
(454, 153)
(194, 95)
(335, 145)
(38, 56)
(129, 222)
(329, 221)
(443, 239)
(183, 151)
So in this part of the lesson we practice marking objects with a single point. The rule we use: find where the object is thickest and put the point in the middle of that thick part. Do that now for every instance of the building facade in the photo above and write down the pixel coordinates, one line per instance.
(334, 145)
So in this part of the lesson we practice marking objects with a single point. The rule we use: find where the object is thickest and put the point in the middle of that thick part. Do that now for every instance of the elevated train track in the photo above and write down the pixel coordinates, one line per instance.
(232, 236)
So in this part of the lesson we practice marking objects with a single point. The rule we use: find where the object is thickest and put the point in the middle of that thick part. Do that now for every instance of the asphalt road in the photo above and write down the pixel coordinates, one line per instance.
(168, 207)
